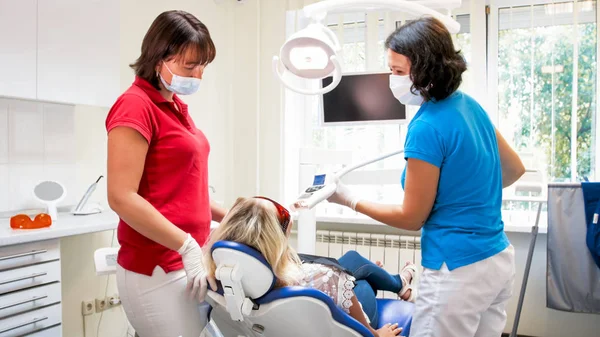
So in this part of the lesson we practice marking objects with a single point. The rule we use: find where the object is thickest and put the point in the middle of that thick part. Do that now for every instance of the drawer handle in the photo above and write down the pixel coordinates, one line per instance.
(33, 252)
(23, 302)
(22, 278)
(20, 325)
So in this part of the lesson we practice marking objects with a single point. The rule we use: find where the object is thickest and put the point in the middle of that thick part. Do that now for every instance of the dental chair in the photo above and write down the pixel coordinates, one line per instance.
(247, 305)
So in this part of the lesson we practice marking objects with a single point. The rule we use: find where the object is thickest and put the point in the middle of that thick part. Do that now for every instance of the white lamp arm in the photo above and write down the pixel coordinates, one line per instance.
(344, 171)
(320, 9)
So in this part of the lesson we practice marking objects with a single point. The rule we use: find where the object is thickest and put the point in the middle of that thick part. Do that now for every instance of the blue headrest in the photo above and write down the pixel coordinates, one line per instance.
(241, 248)
(258, 275)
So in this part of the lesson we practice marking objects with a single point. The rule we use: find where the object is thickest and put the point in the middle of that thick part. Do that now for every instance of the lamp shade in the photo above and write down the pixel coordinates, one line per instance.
(310, 54)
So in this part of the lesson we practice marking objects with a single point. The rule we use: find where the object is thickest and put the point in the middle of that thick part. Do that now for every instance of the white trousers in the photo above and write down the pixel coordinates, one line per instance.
(467, 302)
(159, 305)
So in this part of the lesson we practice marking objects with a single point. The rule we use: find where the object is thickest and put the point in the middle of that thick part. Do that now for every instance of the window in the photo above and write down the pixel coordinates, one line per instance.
(547, 86)
(546, 89)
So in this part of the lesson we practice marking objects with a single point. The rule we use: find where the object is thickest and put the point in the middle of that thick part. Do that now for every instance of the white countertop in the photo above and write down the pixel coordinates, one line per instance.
(65, 225)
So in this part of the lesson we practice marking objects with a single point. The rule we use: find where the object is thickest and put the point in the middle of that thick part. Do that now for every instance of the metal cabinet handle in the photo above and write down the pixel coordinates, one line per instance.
(22, 278)
(20, 325)
(33, 252)
(33, 299)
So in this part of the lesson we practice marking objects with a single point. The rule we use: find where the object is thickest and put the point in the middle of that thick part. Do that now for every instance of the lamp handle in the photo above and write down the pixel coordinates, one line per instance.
(337, 77)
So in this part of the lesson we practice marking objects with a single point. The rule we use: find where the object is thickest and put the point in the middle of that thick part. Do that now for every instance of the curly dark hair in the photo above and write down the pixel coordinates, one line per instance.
(436, 67)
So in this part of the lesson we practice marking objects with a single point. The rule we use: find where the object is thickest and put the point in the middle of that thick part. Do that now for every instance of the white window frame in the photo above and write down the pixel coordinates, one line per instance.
(492, 68)
(525, 218)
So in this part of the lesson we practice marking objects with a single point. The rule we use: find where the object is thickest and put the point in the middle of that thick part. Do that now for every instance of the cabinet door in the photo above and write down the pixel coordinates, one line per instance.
(55, 331)
(78, 51)
(29, 323)
(18, 48)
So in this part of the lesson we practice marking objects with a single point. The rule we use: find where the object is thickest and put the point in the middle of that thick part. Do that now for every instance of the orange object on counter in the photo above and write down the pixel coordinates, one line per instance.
(23, 221)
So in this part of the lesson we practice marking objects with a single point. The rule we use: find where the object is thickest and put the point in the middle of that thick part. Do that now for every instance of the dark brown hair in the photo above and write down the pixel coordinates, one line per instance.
(171, 34)
(436, 67)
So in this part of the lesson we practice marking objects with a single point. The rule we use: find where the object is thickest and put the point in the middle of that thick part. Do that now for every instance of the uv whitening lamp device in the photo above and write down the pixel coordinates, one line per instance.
(324, 185)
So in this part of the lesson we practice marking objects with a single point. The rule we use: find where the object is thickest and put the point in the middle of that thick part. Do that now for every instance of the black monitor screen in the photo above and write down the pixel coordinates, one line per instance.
(361, 98)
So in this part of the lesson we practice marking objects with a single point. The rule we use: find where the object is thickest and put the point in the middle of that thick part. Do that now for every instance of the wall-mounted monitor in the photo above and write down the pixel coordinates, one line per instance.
(361, 99)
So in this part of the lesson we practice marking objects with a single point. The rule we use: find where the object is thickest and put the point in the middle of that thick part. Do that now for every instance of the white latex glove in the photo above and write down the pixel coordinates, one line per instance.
(191, 254)
(343, 196)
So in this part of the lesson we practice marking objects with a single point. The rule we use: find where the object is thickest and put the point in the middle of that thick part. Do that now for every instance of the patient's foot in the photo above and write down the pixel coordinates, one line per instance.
(379, 264)
(406, 275)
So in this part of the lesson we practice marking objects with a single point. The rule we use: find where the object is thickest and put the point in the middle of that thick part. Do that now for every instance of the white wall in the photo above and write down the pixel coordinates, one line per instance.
(38, 142)
(80, 283)
(259, 32)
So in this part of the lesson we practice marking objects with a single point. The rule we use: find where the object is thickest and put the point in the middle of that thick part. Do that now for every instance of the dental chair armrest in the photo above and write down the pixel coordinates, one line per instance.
(395, 311)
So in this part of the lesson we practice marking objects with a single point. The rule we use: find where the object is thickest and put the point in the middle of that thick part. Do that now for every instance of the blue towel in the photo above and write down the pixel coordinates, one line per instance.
(591, 197)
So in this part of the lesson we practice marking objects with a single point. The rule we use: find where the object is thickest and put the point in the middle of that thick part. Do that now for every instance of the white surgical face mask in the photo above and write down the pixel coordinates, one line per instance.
(400, 86)
(181, 85)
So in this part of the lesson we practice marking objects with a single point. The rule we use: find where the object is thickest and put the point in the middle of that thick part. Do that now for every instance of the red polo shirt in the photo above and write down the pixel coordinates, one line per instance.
(175, 177)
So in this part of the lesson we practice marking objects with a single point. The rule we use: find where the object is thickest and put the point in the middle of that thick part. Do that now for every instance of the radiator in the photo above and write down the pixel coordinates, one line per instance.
(392, 250)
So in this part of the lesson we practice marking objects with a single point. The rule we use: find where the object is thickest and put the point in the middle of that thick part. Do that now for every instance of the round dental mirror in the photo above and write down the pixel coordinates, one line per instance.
(50, 193)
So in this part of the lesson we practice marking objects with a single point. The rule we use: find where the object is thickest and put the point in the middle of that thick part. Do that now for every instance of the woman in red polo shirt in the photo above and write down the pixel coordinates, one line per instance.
(158, 181)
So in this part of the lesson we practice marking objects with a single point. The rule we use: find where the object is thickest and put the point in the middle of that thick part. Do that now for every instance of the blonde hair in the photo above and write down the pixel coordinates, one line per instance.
(252, 222)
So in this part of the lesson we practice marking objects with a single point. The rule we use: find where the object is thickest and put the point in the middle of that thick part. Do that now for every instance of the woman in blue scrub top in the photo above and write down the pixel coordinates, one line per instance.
(457, 165)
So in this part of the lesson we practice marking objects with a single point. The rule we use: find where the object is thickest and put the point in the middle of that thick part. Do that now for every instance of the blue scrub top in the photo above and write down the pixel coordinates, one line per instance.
(465, 225)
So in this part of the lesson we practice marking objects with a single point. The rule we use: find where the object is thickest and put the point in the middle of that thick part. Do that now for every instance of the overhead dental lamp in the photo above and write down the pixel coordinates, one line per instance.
(311, 53)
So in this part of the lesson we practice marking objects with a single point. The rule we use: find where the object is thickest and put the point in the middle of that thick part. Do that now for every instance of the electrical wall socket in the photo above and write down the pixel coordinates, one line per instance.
(101, 304)
(113, 301)
(87, 308)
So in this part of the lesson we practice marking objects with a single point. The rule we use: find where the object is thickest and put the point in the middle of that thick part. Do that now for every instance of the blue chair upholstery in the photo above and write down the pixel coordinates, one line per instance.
(395, 311)
(288, 311)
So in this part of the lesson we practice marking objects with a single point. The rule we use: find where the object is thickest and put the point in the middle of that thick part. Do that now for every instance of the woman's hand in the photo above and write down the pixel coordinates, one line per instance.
(343, 196)
(420, 191)
(191, 254)
(389, 330)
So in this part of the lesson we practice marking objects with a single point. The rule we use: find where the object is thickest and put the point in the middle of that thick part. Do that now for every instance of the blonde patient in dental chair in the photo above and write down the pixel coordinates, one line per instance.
(265, 225)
